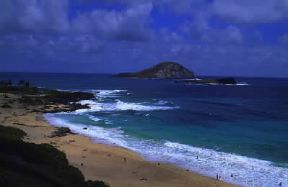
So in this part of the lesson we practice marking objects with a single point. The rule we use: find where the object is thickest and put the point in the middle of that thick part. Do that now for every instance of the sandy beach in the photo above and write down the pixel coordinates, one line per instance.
(115, 165)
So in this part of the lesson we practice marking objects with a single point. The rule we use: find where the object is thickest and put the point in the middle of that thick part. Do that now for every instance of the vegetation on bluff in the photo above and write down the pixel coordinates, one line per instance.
(44, 97)
(29, 164)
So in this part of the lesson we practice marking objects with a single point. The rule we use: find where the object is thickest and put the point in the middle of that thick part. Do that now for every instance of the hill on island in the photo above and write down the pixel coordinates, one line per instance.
(162, 70)
(173, 70)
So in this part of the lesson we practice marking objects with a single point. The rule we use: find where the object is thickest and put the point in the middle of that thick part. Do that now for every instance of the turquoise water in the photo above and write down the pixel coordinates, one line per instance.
(240, 130)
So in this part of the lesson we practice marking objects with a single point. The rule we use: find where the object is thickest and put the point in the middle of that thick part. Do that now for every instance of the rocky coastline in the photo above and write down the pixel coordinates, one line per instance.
(32, 145)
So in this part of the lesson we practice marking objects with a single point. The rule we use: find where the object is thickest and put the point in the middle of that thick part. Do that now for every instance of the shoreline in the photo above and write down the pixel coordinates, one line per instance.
(115, 165)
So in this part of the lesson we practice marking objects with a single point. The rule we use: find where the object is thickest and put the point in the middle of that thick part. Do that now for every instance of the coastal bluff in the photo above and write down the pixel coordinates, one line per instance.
(162, 70)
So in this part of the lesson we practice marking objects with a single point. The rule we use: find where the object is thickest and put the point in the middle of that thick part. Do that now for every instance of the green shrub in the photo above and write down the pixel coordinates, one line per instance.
(29, 164)
(11, 133)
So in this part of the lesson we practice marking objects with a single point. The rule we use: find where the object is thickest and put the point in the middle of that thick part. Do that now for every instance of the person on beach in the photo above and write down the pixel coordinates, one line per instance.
(218, 177)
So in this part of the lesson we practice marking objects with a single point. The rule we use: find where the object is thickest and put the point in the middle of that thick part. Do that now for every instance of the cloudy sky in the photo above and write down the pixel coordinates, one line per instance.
(211, 37)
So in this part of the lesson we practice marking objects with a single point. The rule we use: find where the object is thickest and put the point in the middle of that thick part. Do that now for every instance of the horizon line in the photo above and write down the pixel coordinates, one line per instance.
(89, 73)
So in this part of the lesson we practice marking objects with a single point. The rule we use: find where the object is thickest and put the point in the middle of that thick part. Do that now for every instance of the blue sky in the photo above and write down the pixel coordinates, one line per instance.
(211, 37)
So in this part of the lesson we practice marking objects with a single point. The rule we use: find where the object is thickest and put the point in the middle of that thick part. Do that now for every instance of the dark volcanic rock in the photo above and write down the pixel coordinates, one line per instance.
(61, 131)
(54, 96)
(162, 70)
(5, 105)
(226, 81)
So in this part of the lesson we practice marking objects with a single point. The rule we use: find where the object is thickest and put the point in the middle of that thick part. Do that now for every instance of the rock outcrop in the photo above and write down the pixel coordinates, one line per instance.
(173, 70)
(221, 81)
(163, 70)
(229, 80)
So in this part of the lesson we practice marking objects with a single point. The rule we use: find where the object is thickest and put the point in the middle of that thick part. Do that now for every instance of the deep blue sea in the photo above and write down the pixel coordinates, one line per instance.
(238, 131)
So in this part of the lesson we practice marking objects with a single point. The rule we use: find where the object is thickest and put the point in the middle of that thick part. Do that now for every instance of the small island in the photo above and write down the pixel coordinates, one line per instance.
(220, 81)
(162, 70)
(174, 70)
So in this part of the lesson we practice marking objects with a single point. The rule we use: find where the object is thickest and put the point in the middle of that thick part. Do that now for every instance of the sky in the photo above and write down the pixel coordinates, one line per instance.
(210, 37)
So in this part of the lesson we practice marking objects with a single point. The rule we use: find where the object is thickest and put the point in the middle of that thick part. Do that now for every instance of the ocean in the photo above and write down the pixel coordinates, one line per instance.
(237, 131)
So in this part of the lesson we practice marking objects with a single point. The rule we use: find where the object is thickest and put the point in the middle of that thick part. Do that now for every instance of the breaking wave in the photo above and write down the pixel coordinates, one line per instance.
(232, 168)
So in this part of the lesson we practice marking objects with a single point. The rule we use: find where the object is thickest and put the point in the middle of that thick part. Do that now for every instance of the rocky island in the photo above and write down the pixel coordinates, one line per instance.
(173, 70)
(162, 70)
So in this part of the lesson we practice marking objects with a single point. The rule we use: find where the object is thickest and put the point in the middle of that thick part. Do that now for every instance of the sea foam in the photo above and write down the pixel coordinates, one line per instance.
(232, 168)
(103, 94)
(111, 135)
(118, 105)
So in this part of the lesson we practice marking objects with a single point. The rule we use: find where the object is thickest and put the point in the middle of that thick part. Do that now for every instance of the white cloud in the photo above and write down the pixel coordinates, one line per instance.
(35, 32)
(200, 29)
(33, 15)
(130, 24)
(233, 34)
(44, 16)
(79, 52)
(251, 11)
(283, 39)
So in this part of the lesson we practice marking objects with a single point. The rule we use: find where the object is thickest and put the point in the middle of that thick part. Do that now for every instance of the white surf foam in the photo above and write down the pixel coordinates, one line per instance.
(95, 106)
(218, 84)
(110, 136)
(102, 94)
(93, 118)
(99, 105)
(244, 171)
(242, 84)
(232, 168)
(238, 84)
(162, 102)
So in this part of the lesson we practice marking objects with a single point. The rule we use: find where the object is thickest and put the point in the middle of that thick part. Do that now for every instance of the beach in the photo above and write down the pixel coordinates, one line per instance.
(143, 93)
(114, 165)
